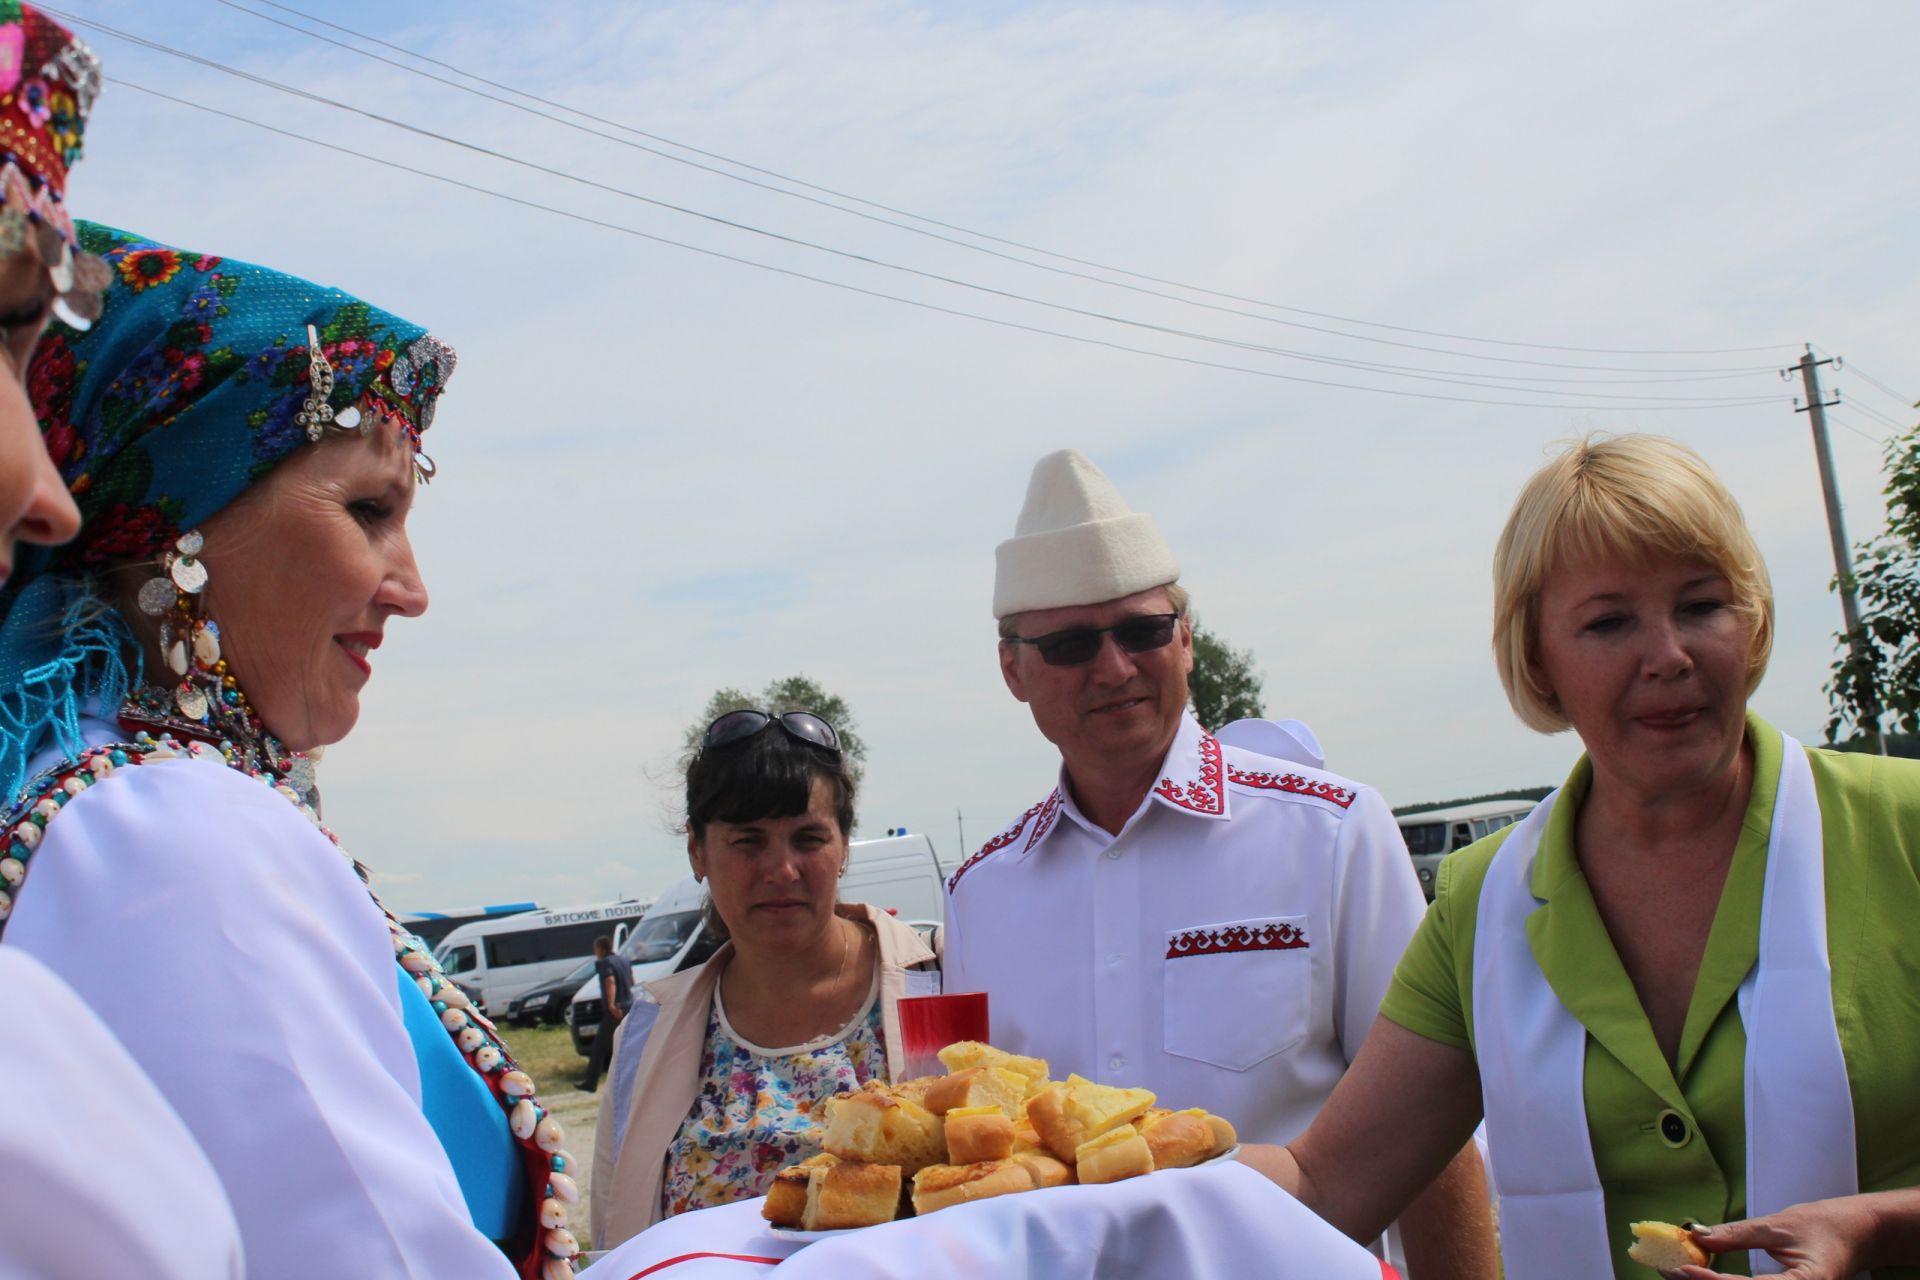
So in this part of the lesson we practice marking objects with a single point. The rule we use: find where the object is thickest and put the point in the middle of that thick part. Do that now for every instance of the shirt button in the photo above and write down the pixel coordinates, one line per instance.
(1674, 1130)
(1113, 853)
(1117, 1062)
(1114, 957)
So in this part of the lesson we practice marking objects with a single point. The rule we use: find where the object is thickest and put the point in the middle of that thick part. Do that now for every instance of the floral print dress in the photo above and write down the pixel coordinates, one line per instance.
(754, 1112)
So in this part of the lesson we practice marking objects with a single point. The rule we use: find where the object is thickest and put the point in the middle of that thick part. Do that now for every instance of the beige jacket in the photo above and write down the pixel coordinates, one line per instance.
(662, 1089)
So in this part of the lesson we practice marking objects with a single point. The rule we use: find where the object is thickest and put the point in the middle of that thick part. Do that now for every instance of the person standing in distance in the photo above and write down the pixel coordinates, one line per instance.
(1209, 923)
(614, 978)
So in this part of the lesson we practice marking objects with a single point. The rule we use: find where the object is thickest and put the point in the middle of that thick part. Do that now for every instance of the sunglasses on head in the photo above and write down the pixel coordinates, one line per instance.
(1077, 645)
(738, 726)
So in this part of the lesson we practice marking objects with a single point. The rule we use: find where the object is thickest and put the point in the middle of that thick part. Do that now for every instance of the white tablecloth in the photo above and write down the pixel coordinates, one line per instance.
(1222, 1223)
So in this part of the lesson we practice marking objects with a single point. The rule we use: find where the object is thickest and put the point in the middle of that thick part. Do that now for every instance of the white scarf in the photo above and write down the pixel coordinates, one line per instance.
(1532, 1053)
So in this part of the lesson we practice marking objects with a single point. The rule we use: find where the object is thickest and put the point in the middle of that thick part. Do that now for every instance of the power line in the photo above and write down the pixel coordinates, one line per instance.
(1882, 387)
(1852, 368)
(1416, 374)
(875, 293)
(1893, 423)
(1840, 420)
(931, 222)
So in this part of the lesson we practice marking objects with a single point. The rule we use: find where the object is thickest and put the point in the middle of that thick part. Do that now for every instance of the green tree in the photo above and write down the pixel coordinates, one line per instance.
(791, 693)
(1886, 672)
(1224, 687)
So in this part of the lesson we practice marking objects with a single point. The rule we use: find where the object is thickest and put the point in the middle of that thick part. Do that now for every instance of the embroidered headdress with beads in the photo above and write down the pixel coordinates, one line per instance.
(199, 377)
(48, 82)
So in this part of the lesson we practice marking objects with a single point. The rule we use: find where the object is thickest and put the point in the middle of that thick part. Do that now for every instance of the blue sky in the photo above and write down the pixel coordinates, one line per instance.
(664, 472)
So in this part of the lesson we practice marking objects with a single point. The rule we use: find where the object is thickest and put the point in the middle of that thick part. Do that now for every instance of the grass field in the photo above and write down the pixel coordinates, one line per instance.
(546, 1053)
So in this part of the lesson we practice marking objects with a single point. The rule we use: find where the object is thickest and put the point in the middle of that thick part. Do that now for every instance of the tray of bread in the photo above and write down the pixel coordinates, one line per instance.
(993, 1125)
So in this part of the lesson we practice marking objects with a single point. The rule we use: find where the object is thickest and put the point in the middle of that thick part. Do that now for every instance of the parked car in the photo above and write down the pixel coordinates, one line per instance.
(548, 1002)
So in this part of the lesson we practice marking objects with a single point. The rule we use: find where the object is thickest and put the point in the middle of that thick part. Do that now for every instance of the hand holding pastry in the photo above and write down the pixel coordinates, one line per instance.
(1822, 1240)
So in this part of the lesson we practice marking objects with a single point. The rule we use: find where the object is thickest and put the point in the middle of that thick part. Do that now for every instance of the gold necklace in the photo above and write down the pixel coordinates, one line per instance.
(846, 953)
(845, 949)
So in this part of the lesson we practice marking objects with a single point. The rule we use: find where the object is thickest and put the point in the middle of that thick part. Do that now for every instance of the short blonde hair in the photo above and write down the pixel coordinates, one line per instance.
(1639, 498)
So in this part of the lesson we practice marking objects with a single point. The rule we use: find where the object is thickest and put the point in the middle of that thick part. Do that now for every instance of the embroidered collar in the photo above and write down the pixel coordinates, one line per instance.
(1192, 780)
(1193, 777)
(1034, 824)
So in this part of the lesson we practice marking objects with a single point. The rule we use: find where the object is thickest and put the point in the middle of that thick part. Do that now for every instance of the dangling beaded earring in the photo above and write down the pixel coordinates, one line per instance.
(205, 698)
(187, 641)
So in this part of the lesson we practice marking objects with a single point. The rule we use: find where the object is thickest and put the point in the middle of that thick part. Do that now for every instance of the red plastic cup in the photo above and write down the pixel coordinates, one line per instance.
(929, 1024)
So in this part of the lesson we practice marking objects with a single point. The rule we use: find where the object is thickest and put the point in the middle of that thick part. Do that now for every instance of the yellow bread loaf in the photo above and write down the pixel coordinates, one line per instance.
(913, 1090)
(1116, 1154)
(848, 1194)
(1068, 1115)
(877, 1129)
(1663, 1246)
(978, 1133)
(941, 1186)
(962, 1054)
(977, 1087)
(1047, 1117)
(1177, 1139)
(1025, 1138)
(1224, 1137)
(1044, 1169)
(786, 1203)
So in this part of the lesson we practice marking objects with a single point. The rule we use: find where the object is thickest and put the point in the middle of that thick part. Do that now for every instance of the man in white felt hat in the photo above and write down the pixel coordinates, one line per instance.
(1210, 923)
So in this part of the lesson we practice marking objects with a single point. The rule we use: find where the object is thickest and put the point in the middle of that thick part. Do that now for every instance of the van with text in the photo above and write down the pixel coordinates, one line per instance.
(495, 960)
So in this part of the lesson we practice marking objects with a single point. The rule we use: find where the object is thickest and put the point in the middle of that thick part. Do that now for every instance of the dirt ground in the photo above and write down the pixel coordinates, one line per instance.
(577, 1113)
(546, 1054)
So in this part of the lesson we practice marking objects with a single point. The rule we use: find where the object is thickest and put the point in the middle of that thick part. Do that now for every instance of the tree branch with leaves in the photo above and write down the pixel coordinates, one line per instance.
(1883, 671)
(791, 693)
(1223, 687)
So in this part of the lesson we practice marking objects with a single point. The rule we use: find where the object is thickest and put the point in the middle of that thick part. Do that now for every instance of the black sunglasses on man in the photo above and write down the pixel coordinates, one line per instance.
(1075, 646)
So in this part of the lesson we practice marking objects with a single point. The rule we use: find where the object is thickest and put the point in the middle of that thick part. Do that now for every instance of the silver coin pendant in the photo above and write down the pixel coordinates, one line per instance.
(189, 575)
(156, 596)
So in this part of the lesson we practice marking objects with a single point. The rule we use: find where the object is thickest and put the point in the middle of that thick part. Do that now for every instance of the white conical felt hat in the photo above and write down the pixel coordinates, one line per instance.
(1077, 542)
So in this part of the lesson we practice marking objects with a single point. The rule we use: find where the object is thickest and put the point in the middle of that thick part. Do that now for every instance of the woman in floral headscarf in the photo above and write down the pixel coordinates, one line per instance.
(244, 447)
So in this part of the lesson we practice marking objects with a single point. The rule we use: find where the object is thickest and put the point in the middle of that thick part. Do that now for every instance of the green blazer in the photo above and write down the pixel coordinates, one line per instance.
(1670, 1143)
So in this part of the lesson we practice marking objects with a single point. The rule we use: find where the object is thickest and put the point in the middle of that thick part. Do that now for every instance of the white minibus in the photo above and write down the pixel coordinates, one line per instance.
(1434, 834)
(495, 960)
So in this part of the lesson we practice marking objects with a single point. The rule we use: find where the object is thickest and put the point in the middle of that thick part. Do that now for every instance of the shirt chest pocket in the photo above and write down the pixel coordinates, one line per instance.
(1239, 992)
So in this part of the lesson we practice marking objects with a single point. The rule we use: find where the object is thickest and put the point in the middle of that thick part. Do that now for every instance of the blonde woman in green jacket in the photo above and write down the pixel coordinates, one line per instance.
(1683, 987)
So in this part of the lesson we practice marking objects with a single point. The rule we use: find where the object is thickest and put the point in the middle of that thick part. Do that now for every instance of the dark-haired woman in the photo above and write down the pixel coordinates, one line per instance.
(717, 1070)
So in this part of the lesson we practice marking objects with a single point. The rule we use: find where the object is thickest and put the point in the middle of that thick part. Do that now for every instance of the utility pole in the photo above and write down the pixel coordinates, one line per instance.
(960, 821)
(1816, 410)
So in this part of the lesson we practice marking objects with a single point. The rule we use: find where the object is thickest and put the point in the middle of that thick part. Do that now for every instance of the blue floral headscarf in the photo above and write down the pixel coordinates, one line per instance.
(188, 389)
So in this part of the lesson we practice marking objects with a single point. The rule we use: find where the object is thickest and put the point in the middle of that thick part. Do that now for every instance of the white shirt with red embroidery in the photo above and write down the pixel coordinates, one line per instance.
(1228, 949)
